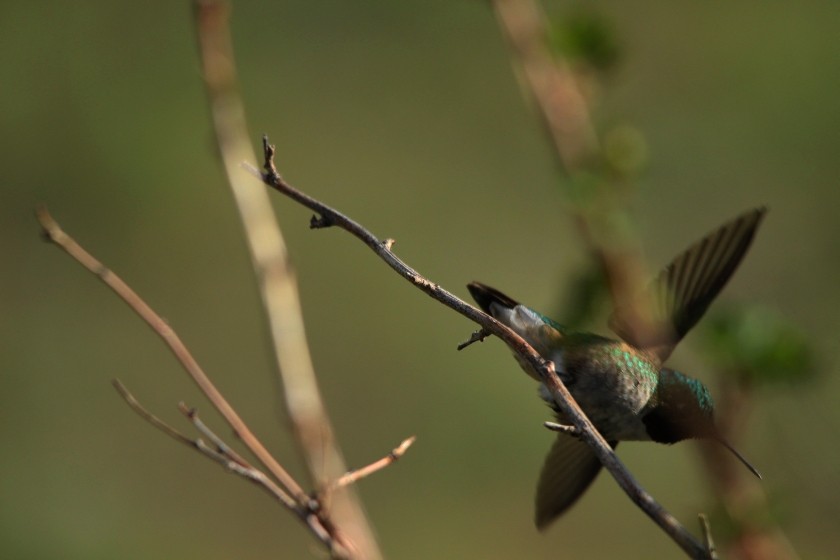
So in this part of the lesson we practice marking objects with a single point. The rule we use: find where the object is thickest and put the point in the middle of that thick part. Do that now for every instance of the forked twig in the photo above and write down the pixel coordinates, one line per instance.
(149, 417)
(220, 454)
(224, 455)
(55, 234)
(288, 492)
(218, 443)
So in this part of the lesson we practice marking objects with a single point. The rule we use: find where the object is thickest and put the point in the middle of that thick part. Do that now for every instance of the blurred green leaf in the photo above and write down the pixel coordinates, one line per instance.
(585, 37)
(759, 344)
(753, 517)
(585, 295)
(625, 150)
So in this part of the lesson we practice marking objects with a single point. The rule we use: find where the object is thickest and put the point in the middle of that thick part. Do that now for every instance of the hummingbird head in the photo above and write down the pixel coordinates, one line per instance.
(682, 408)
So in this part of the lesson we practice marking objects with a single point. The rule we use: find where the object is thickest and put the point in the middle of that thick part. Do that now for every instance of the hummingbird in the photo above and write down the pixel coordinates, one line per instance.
(621, 384)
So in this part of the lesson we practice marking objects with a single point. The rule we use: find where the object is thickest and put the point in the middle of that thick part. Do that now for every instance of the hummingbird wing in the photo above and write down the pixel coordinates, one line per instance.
(682, 292)
(569, 469)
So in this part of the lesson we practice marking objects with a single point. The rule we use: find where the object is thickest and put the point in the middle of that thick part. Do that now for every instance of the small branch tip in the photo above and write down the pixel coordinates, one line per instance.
(358, 474)
(562, 428)
(708, 541)
(477, 336)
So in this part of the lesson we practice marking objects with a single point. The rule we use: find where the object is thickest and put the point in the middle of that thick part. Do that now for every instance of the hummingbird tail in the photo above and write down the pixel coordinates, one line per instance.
(484, 296)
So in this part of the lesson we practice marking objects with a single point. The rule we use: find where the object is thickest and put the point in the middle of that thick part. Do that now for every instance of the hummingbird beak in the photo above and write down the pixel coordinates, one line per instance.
(735, 452)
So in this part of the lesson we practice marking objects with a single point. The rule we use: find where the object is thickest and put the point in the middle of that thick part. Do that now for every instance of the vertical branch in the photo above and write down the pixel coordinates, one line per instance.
(278, 286)
(551, 82)
(741, 498)
(565, 114)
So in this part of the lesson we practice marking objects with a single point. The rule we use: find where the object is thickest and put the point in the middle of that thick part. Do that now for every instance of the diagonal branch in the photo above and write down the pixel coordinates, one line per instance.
(544, 369)
(55, 234)
(392, 457)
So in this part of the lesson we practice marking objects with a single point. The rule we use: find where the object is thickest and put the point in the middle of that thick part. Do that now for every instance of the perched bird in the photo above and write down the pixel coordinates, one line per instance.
(622, 385)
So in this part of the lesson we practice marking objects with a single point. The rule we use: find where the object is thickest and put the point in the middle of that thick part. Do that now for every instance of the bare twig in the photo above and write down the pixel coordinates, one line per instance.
(477, 336)
(220, 445)
(354, 476)
(278, 286)
(55, 234)
(292, 495)
(544, 369)
(227, 458)
(151, 418)
(562, 428)
(708, 540)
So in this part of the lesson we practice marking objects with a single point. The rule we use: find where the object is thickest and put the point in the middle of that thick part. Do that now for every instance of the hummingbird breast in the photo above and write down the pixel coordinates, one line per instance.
(610, 381)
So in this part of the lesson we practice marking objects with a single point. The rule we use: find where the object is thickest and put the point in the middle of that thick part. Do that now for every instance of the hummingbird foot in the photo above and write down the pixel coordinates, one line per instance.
(562, 428)
(477, 336)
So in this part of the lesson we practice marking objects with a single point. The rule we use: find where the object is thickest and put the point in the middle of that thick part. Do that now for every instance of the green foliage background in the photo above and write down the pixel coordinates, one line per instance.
(405, 115)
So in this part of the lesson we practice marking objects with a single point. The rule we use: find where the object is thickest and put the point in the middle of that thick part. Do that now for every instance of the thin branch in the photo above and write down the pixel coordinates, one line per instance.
(562, 428)
(151, 418)
(278, 287)
(218, 443)
(551, 81)
(53, 232)
(708, 540)
(544, 369)
(354, 476)
(227, 458)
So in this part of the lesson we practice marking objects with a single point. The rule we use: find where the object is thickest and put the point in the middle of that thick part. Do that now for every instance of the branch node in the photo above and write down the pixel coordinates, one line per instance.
(271, 174)
(187, 411)
(388, 243)
(320, 222)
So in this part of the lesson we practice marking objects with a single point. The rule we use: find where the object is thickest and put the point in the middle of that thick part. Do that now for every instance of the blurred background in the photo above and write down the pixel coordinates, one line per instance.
(406, 116)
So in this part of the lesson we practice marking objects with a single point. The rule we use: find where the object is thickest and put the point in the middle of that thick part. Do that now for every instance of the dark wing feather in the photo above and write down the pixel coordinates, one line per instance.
(569, 469)
(684, 290)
